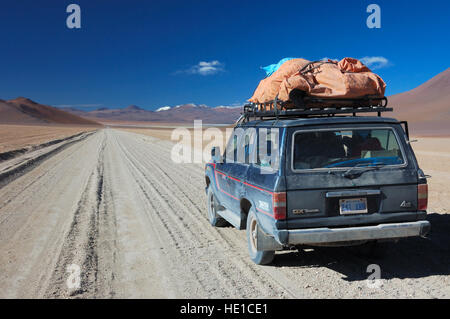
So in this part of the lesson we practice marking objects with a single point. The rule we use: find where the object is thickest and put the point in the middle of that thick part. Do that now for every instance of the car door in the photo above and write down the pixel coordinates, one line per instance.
(221, 175)
(232, 173)
(238, 171)
(226, 171)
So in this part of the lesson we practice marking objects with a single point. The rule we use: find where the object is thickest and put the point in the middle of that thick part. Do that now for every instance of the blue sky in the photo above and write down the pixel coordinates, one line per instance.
(149, 53)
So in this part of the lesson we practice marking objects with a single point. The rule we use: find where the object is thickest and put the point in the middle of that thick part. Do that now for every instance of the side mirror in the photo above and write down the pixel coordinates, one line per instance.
(216, 156)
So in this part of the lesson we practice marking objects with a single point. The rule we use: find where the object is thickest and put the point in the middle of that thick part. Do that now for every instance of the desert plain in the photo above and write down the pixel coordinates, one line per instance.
(109, 204)
(15, 137)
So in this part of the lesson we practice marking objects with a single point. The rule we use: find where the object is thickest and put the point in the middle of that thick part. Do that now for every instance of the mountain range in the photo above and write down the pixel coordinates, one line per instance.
(185, 113)
(426, 108)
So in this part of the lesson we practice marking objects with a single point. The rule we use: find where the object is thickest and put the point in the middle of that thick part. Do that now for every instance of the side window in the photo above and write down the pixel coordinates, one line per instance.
(250, 145)
(230, 152)
(232, 144)
(240, 147)
(247, 148)
(265, 158)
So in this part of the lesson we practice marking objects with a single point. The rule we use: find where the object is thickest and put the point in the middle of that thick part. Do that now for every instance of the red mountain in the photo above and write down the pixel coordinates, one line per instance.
(427, 107)
(26, 111)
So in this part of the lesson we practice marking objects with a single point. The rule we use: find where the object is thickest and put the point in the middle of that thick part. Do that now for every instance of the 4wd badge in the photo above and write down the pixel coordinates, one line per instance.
(405, 204)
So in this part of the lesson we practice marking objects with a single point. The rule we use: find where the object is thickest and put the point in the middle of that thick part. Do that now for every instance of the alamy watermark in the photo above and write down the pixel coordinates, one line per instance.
(374, 279)
(73, 20)
(374, 19)
(257, 146)
(74, 279)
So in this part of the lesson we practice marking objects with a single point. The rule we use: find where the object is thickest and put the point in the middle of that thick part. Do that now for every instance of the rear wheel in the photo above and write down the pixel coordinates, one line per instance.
(213, 217)
(257, 256)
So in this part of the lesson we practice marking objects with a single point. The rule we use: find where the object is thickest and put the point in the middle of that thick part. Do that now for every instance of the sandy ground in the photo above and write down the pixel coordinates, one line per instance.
(197, 141)
(13, 137)
(433, 154)
(136, 225)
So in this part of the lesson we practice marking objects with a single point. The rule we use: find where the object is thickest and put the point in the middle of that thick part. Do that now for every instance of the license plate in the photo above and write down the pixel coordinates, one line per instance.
(353, 206)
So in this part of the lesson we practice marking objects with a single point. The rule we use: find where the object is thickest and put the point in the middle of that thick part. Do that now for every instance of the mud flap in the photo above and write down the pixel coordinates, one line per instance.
(265, 242)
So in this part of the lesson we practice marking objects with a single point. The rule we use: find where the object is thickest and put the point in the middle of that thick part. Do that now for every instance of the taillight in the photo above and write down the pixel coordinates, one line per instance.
(279, 205)
(422, 196)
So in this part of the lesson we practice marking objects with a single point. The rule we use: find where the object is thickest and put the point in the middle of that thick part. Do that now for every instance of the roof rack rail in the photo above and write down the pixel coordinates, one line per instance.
(315, 107)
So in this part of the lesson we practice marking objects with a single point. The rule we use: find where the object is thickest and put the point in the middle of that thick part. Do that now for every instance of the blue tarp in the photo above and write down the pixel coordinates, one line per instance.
(273, 67)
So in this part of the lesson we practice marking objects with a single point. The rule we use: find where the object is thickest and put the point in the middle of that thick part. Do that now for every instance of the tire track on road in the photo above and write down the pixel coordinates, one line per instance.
(202, 231)
(80, 245)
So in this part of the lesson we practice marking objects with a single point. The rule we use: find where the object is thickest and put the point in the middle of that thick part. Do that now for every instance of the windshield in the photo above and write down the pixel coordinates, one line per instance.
(346, 148)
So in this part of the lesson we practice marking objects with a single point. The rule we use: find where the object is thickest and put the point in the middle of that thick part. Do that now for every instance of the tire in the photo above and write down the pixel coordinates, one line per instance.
(214, 219)
(257, 256)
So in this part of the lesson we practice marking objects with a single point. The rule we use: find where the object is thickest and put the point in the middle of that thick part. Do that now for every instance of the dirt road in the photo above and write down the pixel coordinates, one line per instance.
(114, 205)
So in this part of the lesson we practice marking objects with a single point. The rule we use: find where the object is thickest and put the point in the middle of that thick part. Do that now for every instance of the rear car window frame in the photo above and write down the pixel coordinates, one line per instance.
(327, 169)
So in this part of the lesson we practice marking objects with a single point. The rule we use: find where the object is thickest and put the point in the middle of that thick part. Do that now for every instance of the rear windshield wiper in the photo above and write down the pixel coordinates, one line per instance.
(351, 173)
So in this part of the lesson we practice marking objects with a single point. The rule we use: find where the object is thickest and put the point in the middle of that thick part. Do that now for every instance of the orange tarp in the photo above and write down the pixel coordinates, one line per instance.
(348, 78)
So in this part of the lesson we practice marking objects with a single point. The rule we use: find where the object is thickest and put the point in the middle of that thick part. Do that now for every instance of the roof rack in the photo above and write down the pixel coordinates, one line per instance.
(315, 107)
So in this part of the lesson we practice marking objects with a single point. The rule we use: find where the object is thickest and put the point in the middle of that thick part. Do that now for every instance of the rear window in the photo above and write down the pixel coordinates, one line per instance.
(346, 148)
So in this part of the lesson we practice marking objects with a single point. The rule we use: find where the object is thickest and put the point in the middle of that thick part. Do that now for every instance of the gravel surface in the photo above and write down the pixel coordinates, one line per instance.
(135, 224)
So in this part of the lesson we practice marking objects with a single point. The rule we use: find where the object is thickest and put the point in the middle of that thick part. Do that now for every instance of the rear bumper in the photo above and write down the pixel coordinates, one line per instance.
(335, 235)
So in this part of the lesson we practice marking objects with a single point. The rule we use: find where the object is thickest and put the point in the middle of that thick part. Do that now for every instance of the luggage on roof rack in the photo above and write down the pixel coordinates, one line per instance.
(301, 84)
(301, 88)
(315, 107)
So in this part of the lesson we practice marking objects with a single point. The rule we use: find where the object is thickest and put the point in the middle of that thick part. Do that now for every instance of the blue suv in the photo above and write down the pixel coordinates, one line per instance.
(325, 177)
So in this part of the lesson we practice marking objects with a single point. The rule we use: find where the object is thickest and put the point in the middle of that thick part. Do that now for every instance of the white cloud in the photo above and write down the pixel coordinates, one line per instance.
(164, 108)
(375, 62)
(205, 68)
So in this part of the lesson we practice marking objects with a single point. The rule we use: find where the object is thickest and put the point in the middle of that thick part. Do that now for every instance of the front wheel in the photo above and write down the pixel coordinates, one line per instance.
(257, 256)
(213, 217)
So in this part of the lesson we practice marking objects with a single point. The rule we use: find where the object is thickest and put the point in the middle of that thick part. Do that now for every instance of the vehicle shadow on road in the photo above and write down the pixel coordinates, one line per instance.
(408, 258)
